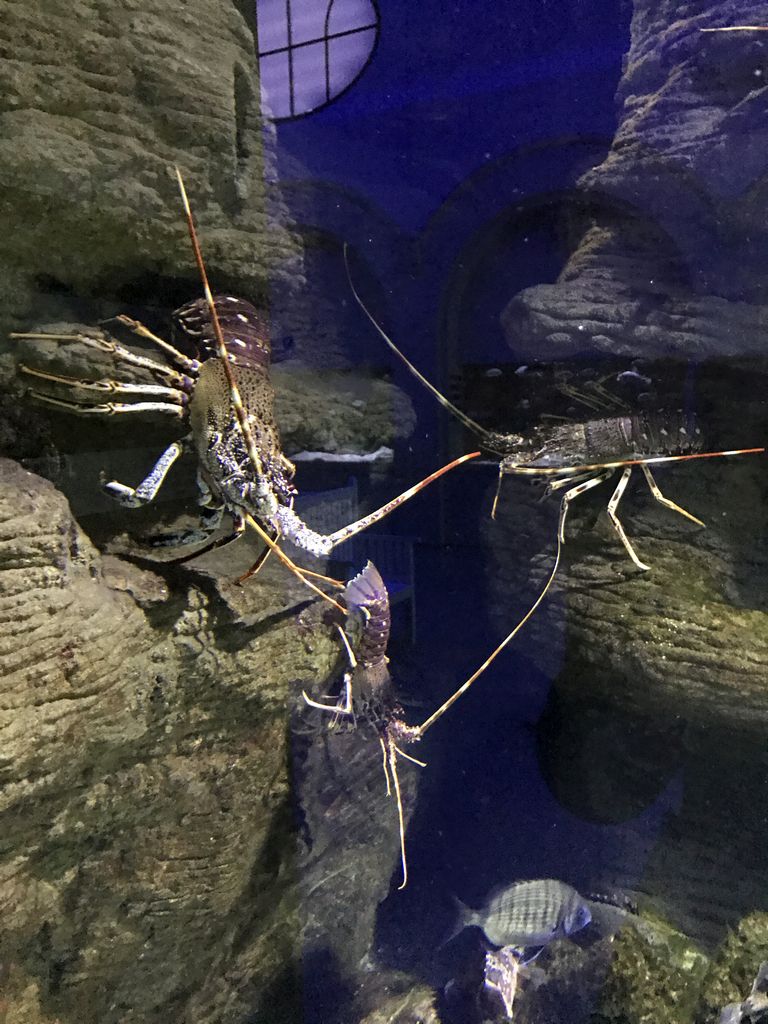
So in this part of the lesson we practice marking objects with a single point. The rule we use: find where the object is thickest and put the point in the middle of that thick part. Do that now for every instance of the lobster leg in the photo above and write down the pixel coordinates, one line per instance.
(612, 506)
(666, 501)
(120, 354)
(135, 497)
(391, 751)
(574, 492)
(238, 529)
(105, 387)
(109, 408)
(257, 565)
(497, 495)
(190, 365)
(566, 481)
(338, 708)
(208, 525)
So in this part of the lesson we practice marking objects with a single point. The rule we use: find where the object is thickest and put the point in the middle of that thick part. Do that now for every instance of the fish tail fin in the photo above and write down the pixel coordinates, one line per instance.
(465, 916)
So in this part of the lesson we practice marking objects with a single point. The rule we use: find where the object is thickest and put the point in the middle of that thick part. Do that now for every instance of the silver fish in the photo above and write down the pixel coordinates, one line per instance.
(528, 913)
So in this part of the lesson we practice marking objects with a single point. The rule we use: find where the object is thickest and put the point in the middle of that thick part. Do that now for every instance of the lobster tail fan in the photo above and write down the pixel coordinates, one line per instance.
(367, 588)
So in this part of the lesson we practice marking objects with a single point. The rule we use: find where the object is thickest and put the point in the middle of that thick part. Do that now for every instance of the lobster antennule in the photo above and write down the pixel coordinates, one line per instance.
(469, 423)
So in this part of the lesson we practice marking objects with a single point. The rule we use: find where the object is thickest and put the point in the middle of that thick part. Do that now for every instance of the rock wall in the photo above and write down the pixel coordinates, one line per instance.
(146, 824)
(149, 864)
(673, 265)
(97, 104)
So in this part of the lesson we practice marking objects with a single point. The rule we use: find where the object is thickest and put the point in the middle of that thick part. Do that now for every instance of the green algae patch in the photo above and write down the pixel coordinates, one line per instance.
(730, 976)
(655, 976)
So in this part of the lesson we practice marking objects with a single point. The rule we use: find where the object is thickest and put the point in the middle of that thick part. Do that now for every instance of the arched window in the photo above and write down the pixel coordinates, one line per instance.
(310, 51)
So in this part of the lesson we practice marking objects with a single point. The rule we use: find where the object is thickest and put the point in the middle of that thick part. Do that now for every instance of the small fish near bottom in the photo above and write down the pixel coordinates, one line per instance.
(522, 919)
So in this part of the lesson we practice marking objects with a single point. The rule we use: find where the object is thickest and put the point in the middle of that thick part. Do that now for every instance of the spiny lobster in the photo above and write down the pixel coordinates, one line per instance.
(227, 398)
(577, 457)
(369, 695)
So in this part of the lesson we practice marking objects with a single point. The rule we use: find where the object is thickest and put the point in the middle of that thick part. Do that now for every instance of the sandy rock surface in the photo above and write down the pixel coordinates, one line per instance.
(145, 789)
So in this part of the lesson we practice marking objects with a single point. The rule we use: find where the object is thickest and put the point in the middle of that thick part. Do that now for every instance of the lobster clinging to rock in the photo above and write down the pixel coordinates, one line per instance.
(226, 397)
(369, 698)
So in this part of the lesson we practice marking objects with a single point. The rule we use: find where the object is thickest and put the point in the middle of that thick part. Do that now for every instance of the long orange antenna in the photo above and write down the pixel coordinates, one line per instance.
(237, 402)
(494, 654)
(476, 429)
(373, 517)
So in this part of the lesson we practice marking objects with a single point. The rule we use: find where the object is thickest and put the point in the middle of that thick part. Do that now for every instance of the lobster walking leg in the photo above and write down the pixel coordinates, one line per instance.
(238, 529)
(109, 408)
(190, 365)
(574, 492)
(612, 506)
(338, 708)
(104, 387)
(497, 495)
(666, 501)
(119, 353)
(135, 497)
(259, 563)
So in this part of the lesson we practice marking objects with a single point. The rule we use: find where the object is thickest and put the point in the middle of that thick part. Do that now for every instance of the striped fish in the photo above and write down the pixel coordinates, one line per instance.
(528, 913)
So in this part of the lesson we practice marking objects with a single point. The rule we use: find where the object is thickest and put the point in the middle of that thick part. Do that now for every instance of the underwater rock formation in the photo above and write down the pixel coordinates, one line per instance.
(348, 857)
(320, 410)
(147, 869)
(737, 968)
(673, 264)
(96, 106)
(677, 657)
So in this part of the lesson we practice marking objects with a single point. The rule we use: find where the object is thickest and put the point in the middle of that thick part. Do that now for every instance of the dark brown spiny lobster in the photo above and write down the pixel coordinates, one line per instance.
(578, 457)
(226, 397)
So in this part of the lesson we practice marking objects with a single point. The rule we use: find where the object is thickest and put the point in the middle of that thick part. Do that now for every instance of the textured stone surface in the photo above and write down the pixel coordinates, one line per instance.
(652, 977)
(673, 264)
(147, 868)
(349, 855)
(146, 839)
(733, 971)
(676, 657)
(96, 106)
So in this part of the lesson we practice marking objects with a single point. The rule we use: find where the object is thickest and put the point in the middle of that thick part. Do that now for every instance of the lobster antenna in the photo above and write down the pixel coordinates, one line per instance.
(392, 756)
(373, 517)
(653, 460)
(491, 657)
(476, 429)
(237, 402)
